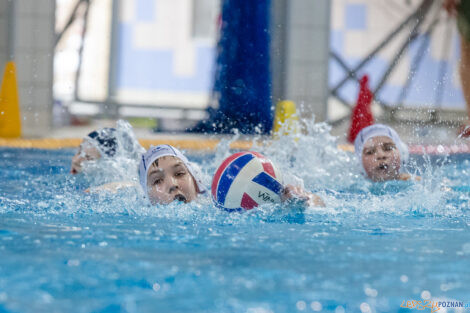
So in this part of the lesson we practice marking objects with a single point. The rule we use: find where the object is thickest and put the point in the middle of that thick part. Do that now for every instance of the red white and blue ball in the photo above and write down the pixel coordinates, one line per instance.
(246, 180)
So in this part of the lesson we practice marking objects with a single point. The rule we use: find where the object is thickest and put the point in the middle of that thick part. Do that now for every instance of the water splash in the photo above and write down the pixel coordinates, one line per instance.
(310, 159)
(123, 165)
(108, 247)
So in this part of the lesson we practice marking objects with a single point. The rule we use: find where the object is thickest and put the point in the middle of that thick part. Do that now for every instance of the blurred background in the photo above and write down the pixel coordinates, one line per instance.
(173, 65)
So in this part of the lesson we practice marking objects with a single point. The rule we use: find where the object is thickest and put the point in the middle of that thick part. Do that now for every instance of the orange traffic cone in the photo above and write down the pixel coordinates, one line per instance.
(361, 114)
(10, 121)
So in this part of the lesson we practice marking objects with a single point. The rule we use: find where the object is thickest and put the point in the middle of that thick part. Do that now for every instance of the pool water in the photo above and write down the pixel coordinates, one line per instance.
(372, 247)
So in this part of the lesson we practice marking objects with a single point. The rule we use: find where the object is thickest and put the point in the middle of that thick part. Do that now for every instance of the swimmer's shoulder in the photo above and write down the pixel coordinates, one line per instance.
(409, 177)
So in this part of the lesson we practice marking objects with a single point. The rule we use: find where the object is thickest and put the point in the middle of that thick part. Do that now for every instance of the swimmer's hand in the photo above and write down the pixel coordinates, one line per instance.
(111, 187)
(291, 192)
(406, 176)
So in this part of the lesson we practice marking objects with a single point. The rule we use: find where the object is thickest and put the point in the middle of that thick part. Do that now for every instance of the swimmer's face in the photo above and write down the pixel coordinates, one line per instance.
(86, 152)
(381, 159)
(168, 180)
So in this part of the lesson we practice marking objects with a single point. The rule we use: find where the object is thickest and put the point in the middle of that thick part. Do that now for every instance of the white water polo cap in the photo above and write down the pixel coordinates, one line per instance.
(156, 152)
(380, 130)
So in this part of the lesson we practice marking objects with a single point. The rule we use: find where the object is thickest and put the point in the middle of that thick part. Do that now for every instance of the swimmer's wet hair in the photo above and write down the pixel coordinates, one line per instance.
(155, 162)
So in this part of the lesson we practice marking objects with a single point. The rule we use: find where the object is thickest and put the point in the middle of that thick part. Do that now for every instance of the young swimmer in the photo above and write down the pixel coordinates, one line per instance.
(98, 143)
(166, 175)
(382, 153)
(117, 145)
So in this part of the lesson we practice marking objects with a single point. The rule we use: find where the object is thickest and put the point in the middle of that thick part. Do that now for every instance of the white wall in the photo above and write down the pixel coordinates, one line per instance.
(3, 34)
(300, 54)
(27, 37)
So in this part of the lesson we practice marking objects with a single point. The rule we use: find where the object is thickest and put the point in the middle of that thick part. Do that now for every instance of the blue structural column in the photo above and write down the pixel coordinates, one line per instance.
(242, 81)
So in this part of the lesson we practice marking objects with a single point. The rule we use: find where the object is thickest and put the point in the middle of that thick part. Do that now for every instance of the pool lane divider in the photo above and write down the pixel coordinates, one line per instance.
(208, 144)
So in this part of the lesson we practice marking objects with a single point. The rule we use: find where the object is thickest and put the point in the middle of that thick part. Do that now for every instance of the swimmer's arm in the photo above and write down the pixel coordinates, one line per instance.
(112, 187)
(296, 192)
(406, 176)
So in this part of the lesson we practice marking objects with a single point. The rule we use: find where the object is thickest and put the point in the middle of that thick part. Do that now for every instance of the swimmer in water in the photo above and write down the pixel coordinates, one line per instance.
(382, 153)
(111, 144)
(97, 144)
(167, 175)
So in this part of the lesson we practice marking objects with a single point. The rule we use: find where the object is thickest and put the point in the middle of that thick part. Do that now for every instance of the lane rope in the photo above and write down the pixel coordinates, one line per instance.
(209, 144)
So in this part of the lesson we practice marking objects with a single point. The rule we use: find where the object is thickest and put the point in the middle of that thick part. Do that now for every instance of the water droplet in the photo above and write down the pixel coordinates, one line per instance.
(73, 262)
(365, 308)
(425, 295)
(370, 292)
(339, 309)
(301, 305)
(316, 306)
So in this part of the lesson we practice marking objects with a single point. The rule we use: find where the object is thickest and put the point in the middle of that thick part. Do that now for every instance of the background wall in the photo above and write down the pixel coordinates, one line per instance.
(166, 48)
(166, 51)
(357, 26)
(27, 37)
(300, 34)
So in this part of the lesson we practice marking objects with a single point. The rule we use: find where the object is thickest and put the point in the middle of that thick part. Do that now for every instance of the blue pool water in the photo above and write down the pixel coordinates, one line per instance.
(373, 246)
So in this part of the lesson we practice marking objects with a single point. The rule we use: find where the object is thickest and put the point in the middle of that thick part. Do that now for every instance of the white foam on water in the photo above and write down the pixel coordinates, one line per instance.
(311, 160)
(123, 165)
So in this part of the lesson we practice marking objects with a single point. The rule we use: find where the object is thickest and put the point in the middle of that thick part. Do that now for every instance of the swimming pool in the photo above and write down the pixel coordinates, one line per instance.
(372, 248)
